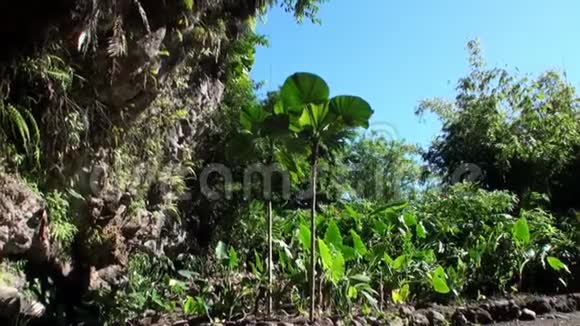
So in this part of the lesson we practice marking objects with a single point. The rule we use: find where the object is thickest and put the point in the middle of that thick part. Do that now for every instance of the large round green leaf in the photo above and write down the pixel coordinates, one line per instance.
(303, 88)
(314, 116)
(354, 111)
(251, 117)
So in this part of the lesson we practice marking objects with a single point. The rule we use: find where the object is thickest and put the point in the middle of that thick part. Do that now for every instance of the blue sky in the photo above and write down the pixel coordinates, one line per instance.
(395, 53)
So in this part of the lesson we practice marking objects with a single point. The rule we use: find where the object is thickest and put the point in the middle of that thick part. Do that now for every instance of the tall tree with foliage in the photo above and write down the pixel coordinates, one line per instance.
(322, 122)
(381, 170)
(521, 132)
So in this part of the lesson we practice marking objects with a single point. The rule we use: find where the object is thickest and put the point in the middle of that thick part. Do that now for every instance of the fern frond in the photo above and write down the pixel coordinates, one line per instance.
(117, 43)
(18, 124)
(52, 57)
(62, 76)
(61, 227)
(34, 145)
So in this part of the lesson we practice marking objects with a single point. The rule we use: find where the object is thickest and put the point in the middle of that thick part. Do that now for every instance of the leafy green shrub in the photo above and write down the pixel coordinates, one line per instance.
(148, 286)
(62, 230)
(443, 246)
(469, 228)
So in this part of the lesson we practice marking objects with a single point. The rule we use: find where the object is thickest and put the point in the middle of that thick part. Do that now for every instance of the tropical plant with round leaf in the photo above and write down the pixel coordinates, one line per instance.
(261, 136)
(264, 134)
(322, 122)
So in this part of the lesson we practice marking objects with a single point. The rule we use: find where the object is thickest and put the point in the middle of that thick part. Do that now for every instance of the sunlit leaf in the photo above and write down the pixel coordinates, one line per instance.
(233, 258)
(410, 219)
(333, 262)
(332, 235)
(420, 229)
(176, 284)
(314, 116)
(352, 292)
(325, 254)
(439, 282)
(388, 260)
(189, 305)
(304, 237)
(338, 267)
(279, 108)
(303, 88)
(353, 110)
(556, 264)
(399, 262)
(75, 194)
(521, 231)
(359, 245)
(401, 295)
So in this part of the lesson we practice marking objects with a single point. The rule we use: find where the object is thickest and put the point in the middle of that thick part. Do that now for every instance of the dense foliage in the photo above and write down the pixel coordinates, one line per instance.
(168, 189)
(523, 133)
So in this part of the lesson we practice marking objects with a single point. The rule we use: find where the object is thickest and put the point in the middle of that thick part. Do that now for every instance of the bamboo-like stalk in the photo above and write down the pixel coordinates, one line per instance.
(313, 232)
(270, 259)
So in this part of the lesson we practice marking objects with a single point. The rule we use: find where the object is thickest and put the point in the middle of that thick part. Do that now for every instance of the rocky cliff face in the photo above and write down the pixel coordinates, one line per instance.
(123, 93)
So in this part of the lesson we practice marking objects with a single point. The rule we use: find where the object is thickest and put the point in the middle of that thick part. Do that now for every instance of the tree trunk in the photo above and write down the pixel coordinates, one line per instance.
(313, 232)
(270, 260)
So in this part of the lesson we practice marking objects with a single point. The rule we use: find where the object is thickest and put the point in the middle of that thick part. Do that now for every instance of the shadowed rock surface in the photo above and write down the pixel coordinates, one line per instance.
(21, 219)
